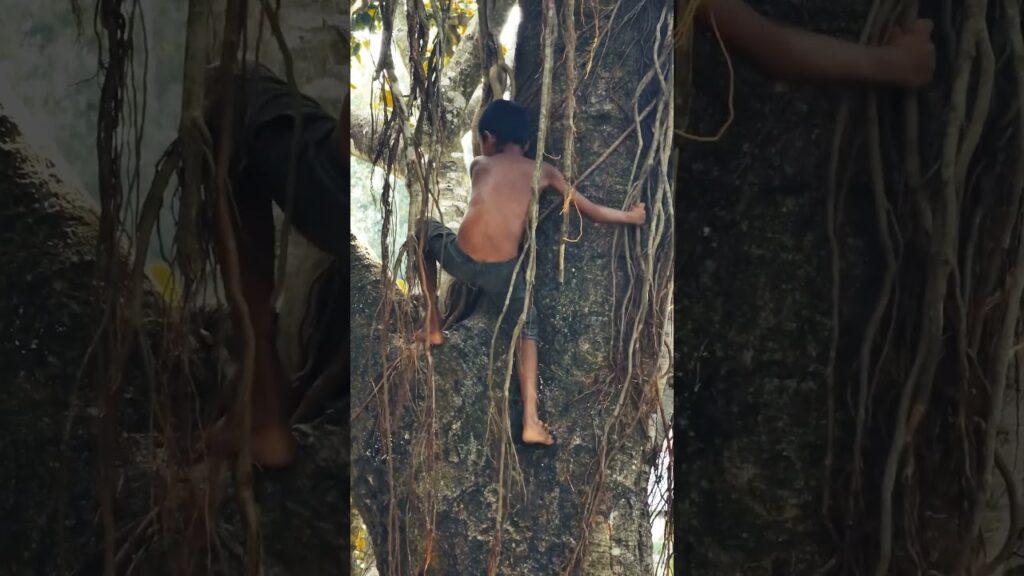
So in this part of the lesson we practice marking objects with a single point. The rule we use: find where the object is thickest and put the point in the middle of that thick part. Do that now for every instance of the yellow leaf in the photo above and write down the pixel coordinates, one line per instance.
(504, 50)
(389, 100)
(402, 286)
(372, 12)
(162, 276)
(352, 86)
(361, 542)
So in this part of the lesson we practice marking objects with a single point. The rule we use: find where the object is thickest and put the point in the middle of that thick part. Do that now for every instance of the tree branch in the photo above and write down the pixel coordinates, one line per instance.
(461, 79)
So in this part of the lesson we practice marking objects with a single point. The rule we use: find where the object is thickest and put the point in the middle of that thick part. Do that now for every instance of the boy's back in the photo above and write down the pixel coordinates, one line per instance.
(496, 218)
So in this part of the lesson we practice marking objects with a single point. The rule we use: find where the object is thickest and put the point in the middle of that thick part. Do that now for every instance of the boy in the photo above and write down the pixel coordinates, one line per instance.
(259, 171)
(485, 249)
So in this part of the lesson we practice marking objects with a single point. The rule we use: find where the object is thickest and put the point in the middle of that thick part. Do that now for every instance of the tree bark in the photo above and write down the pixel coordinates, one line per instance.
(753, 313)
(543, 528)
(754, 321)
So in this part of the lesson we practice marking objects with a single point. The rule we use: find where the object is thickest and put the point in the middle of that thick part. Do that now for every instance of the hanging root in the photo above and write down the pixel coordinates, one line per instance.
(932, 395)
(640, 321)
(227, 253)
(416, 149)
(1012, 541)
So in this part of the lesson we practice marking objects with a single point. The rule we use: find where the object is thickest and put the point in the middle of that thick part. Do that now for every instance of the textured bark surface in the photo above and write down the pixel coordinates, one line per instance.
(47, 315)
(48, 312)
(574, 352)
(754, 311)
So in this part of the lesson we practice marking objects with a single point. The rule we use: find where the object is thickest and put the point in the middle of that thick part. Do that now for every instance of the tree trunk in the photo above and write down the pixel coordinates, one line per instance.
(753, 316)
(755, 326)
(48, 313)
(542, 528)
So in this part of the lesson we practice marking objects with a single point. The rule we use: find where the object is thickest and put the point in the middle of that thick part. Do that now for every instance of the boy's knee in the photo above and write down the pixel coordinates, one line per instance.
(424, 224)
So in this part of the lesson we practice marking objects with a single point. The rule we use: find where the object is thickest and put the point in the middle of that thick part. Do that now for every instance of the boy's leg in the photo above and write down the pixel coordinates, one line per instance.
(534, 431)
(271, 440)
(434, 336)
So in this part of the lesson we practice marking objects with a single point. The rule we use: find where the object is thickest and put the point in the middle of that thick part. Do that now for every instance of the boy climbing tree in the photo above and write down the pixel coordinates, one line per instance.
(485, 250)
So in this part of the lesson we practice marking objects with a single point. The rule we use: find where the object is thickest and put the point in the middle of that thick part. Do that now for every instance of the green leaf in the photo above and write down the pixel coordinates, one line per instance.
(363, 20)
(356, 48)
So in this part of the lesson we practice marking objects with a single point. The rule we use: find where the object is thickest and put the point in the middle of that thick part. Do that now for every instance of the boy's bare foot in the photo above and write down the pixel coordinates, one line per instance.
(537, 432)
(433, 338)
(272, 446)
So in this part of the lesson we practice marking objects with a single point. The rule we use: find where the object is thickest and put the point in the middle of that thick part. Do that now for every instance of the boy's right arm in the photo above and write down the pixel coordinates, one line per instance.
(907, 59)
(553, 178)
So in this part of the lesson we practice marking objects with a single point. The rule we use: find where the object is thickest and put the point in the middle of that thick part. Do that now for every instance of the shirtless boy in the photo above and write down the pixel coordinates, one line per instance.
(485, 249)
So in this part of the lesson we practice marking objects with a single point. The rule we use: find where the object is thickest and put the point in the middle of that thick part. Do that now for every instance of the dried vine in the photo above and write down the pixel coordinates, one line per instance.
(108, 359)
(418, 151)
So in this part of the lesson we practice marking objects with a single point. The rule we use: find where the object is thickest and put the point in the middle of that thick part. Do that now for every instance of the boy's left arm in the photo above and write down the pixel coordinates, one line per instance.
(787, 53)
(593, 211)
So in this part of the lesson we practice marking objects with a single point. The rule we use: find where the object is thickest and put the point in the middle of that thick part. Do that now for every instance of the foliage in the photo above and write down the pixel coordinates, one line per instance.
(360, 545)
(368, 20)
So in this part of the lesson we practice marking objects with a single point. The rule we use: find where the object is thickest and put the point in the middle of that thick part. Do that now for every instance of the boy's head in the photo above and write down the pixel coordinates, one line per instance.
(502, 122)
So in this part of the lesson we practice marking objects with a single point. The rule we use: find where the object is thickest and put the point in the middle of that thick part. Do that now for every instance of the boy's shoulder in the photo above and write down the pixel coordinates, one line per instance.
(477, 161)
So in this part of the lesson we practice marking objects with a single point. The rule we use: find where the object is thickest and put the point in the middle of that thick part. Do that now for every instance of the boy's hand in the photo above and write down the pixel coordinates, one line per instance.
(636, 214)
(912, 54)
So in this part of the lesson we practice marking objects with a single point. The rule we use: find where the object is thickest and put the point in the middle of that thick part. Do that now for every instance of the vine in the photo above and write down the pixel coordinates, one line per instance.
(929, 389)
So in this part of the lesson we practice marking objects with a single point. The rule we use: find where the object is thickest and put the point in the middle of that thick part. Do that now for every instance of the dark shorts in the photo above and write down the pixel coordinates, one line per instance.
(319, 193)
(493, 278)
(320, 199)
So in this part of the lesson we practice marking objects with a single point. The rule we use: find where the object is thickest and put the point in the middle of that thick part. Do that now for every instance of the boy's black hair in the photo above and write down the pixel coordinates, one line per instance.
(507, 121)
